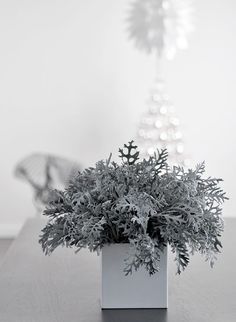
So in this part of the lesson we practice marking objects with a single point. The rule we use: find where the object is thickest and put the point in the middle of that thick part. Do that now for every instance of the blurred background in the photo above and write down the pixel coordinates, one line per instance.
(74, 85)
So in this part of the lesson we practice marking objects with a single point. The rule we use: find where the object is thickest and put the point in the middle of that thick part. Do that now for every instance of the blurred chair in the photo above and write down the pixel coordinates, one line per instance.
(44, 173)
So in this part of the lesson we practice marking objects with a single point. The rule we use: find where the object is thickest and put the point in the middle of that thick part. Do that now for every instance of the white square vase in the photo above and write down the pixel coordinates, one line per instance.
(138, 290)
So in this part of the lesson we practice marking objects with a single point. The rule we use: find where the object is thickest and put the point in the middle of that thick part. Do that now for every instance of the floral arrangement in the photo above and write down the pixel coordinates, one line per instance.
(144, 203)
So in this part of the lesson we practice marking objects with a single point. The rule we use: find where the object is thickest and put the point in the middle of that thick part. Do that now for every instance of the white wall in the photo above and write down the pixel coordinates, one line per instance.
(72, 84)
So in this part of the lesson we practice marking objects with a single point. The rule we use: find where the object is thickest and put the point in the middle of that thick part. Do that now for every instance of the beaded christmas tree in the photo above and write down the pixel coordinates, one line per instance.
(160, 127)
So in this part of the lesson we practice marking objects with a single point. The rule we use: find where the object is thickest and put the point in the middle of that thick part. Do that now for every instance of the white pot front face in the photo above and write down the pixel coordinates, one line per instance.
(139, 290)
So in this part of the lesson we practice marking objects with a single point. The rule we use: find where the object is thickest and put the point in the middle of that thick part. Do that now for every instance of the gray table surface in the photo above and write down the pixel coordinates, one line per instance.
(66, 287)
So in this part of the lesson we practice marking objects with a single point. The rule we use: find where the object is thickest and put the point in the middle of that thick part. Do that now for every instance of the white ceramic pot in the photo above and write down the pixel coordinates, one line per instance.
(139, 290)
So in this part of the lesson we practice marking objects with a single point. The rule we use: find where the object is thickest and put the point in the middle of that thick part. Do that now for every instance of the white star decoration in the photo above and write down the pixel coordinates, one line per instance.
(160, 26)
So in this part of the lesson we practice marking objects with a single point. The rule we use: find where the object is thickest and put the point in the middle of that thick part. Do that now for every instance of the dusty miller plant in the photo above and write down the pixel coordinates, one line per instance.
(144, 203)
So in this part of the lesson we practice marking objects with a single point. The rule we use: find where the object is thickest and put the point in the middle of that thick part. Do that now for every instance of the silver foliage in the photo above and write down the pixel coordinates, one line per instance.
(144, 203)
